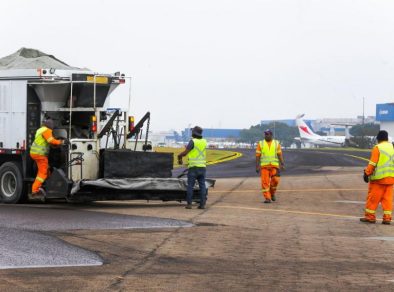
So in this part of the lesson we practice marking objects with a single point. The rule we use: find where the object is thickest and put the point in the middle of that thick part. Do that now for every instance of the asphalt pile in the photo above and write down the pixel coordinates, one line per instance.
(26, 58)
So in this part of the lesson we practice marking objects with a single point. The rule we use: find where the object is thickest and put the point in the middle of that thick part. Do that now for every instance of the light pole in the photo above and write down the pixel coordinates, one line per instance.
(362, 127)
(274, 128)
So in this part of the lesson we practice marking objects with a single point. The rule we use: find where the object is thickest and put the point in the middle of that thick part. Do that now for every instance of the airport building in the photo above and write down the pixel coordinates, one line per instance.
(385, 115)
(337, 126)
(164, 138)
(173, 138)
(289, 122)
(327, 126)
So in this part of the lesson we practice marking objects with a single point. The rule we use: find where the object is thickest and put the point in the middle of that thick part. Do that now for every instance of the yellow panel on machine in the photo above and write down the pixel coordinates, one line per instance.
(99, 79)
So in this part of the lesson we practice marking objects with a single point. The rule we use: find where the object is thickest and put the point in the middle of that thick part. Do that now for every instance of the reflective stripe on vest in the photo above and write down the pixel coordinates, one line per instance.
(198, 155)
(269, 154)
(385, 166)
(40, 146)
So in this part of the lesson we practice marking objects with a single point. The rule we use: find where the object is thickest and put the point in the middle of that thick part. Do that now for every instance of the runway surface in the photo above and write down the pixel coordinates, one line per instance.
(30, 233)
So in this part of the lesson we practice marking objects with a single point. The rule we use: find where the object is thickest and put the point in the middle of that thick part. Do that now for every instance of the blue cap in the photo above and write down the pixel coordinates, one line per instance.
(268, 131)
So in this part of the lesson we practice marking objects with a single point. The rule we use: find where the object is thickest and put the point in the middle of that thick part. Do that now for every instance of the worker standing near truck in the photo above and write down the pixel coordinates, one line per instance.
(196, 152)
(269, 161)
(39, 151)
(380, 175)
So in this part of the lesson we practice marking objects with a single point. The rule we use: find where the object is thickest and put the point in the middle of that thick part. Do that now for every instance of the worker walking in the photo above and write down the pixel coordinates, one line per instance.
(197, 161)
(380, 175)
(269, 161)
(39, 153)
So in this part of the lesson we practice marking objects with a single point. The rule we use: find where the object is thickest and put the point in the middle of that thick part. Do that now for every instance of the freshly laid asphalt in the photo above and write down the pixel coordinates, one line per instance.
(25, 241)
(20, 248)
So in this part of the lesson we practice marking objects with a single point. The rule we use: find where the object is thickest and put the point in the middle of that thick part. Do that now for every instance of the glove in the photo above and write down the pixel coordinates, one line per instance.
(366, 178)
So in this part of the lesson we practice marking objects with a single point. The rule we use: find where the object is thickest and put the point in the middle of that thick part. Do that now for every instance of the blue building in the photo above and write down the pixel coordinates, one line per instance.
(289, 122)
(385, 115)
(214, 134)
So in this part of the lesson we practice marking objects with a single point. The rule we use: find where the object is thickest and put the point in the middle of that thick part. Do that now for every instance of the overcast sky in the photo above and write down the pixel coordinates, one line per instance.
(221, 64)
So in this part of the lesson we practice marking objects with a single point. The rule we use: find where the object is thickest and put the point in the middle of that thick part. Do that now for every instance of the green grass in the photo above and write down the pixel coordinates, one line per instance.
(213, 155)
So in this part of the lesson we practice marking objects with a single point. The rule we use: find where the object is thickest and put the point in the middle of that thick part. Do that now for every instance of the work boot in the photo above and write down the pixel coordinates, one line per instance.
(38, 196)
(201, 207)
(42, 192)
(386, 222)
(267, 201)
(273, 198)
(366, 220)
(188, 206)
(33, 196)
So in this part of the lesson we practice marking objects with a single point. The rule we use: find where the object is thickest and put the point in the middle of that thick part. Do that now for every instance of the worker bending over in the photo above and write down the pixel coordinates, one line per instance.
(39, 153)
(380, 175)
(269, 160)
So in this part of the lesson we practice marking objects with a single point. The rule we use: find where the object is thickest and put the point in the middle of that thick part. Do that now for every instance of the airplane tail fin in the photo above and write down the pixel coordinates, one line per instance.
(303, 128)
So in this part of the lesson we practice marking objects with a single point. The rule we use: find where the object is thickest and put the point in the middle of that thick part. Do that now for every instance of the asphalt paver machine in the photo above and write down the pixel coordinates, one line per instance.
(87, 167)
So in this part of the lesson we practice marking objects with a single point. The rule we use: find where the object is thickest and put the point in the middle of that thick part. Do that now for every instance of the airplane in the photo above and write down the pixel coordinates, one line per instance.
(308, 136)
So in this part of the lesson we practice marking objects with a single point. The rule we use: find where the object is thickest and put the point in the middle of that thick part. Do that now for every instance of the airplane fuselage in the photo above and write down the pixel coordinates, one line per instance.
(326, 141)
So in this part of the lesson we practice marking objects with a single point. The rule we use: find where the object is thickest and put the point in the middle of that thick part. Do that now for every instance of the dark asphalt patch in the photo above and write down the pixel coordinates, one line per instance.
(23, 245)
(27, 249)
(298, 162)
(208, 224)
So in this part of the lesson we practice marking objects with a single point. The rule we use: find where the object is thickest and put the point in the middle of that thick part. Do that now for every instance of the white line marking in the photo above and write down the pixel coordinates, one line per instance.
(351, 202)
(385, 238)
(50, 266)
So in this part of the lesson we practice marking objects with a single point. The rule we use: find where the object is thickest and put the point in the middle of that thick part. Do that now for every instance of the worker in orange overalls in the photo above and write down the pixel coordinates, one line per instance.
(269, 161)
(39, 151)
(380, 175)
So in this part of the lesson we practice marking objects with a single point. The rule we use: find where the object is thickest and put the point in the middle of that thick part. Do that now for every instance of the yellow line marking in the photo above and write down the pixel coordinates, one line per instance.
(287, 211)
(231, 157)
(358, 157)
(296, 191)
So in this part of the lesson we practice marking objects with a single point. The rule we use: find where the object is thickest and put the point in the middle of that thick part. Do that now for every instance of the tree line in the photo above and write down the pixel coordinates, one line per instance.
(281, 131)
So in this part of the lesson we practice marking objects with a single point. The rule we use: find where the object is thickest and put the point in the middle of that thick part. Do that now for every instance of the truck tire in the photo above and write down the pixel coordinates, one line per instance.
(11, 183)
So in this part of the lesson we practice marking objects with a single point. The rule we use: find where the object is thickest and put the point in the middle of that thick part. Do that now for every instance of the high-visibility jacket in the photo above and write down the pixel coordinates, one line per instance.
(269, 155)
(40, 145)
(198, 155)
(385, 165)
